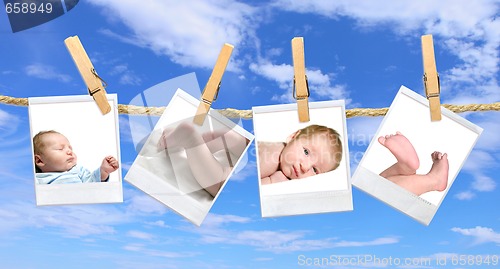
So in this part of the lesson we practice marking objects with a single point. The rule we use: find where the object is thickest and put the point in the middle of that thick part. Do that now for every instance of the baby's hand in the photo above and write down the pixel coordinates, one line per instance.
(109, 164)
(278, 176)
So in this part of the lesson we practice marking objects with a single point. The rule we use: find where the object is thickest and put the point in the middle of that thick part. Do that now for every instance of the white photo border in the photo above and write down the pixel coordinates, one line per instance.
(298, 197)
(420, 208)
(194, 209)
(88, 193)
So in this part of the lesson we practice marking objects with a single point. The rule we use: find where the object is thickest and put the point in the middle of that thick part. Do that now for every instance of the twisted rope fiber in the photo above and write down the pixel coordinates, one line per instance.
(247, 114)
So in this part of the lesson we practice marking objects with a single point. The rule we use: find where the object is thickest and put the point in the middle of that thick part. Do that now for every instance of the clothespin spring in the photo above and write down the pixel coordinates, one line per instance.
(96, 90)
(426, 89)
(295, 92)
(215, 96)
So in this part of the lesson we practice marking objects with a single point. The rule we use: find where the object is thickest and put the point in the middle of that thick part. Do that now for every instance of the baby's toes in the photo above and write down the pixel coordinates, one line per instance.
(436, 155)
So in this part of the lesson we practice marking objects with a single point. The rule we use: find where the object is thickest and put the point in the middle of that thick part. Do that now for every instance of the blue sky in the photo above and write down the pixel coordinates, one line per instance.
(360, 51)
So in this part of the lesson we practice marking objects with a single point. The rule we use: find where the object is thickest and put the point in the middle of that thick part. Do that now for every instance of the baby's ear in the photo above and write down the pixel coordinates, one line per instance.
(292, 136)
(38, 161)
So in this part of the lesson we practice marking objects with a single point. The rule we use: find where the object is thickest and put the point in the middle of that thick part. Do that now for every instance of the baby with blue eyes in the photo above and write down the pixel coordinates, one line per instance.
(312, 150)
(56, 163)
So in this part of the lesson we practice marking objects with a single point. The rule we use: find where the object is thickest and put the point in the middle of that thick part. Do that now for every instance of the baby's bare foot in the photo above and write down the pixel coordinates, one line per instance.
(403, 150)
(162, 142)
(183, 136)
(439, 170)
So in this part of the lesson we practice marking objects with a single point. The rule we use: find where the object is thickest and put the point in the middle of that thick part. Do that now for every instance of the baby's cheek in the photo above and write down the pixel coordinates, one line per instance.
(289, 156)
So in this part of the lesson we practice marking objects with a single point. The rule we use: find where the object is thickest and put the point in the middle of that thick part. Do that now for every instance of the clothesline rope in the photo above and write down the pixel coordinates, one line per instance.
(247, 114)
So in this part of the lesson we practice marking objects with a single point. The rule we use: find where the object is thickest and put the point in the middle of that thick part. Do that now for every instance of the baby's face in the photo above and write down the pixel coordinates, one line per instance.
(58, 155)
(307, 156)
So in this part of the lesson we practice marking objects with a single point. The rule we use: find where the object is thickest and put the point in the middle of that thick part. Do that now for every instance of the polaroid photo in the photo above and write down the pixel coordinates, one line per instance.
(303, 168)
(76, 150)
(186, 166)
(412, 162)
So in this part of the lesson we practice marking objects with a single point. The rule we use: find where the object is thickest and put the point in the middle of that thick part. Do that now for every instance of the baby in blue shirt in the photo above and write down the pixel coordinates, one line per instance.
(56, 163)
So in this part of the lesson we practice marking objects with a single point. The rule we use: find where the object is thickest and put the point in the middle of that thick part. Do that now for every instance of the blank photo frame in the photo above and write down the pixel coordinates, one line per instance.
(92, 135)
(166, 175)
(409, 114)
(322, 193)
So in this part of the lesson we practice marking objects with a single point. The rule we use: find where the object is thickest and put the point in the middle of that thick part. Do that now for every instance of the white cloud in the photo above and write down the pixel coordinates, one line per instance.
(465, 195)
(4, 117)
(480, 234)
(478, 160)
(18, 212)
(263, 259)
(140, 203)
(8, 122)
(375, 242)
(15, 148)
(127, 76)
(74, 221)
(483, 160)
(140, 235)
(216, 220)
(320, 85)
(477, 164)
(293, 241)
(489, 140)
(158, 253)
(158, 223)
(213, 232)
(483, 183)
(282, 74)
(125, 129)
(125, 166)
(190, 33)
(406, 14)
(129, 79)
(245, 170)
(48, 72)
(443, 255)
(469, 31)
(274, 52)
(133, 247)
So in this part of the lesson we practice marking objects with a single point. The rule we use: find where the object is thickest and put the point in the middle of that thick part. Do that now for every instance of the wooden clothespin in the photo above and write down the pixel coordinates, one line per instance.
(431, 78)
(211, 90)
(300, 85)
(89, 75)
